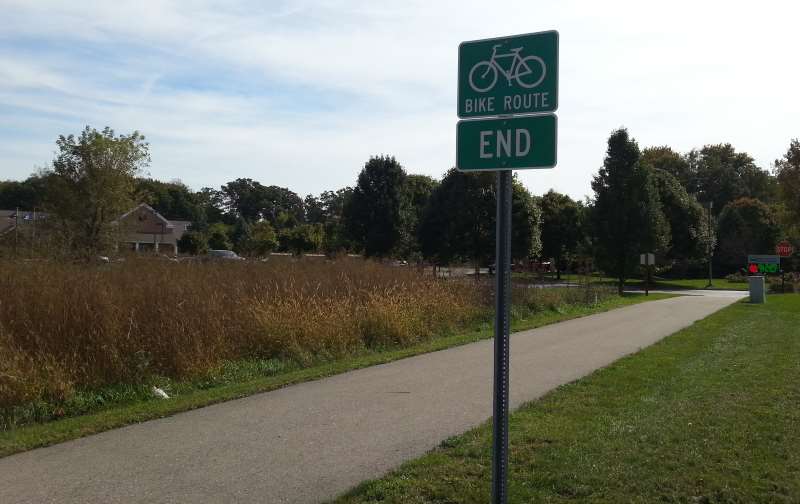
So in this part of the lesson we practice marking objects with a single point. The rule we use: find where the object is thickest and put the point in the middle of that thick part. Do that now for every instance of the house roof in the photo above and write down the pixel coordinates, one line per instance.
(147, 207)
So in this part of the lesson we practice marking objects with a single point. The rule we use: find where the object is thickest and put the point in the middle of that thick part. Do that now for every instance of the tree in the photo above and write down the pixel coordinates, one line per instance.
(335, 238)
(193, 243)
(459, 221)
(372, 215)
(218, 237)
(526, 219)
(746, 226)
(243, 198)
(263, 239)
(255, 240)
(666, 159)
(314, 210)
(26, 195)
(416, 192)
(91, 184)
(302, 238)
(561, 230)
(721, 175)
(627, 218)
(252, 201)
(281, 207)
(210, 207)
(240, 236)
(690, 236)
(171, 199)
(788, 174)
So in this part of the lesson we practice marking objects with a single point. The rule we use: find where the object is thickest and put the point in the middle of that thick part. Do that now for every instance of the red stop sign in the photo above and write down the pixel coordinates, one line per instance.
(784, 249)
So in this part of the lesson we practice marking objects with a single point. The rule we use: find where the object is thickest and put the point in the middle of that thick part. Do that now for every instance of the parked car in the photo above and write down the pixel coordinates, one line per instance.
(224, 255)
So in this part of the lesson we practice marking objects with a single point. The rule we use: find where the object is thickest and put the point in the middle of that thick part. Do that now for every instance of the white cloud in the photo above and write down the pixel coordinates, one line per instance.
(227, 90)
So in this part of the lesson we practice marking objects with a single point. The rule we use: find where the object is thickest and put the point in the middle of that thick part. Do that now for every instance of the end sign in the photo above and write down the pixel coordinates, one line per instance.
(513, 143)
(507, 91)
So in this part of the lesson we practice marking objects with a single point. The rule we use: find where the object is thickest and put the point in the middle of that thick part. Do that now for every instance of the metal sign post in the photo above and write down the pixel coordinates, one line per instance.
(501, 338)
(507, 91)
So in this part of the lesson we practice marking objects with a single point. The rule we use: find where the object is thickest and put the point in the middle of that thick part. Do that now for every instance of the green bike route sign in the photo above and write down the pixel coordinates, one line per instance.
(508, 75)
(510, 143)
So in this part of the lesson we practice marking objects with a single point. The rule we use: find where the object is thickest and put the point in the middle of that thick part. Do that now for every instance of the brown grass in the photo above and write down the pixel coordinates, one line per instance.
(69, 326)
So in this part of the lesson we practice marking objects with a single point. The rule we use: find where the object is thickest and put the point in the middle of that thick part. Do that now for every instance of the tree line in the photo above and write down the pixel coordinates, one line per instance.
(685, 207)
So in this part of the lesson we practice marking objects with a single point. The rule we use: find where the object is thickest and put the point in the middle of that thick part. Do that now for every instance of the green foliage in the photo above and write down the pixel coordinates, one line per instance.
(244, 198)
(722, 175)
(666, 159)
(459, 221)
(210, 208)
(173, 200)
(218, 238)
(250, 200)
(281, 204)
(746, 226)
(193, 243)
(561, 227)
(788, 174)
(314, 209)
(91, 184)
(627, 217)
(263, 240)
(240, 236)
(301, 239)
(526, 218)
(416, 192)
(25, 195)
(372, 215)
(690, 235)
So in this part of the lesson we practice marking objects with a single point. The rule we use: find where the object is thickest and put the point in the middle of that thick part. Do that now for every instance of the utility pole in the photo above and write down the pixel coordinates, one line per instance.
(16, 231)
(710, 245)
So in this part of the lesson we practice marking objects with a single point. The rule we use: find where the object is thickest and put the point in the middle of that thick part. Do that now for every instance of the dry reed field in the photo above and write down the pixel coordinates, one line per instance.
(74, 337)
(68, 326)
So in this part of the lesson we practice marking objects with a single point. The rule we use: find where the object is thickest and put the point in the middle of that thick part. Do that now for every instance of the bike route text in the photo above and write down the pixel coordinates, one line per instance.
(528, 102)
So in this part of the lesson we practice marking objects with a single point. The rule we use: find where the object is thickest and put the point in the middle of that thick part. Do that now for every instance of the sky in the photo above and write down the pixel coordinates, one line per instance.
(300, 94)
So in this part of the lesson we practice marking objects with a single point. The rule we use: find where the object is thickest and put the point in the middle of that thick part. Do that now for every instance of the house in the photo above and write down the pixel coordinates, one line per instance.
(24, 220)
(144, 229)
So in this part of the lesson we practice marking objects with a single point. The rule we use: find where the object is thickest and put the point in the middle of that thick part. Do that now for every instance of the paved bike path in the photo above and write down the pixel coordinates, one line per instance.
(310, 442)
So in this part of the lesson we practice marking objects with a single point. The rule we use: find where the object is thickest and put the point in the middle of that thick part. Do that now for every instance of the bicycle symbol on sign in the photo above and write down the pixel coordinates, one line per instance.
(521, 70)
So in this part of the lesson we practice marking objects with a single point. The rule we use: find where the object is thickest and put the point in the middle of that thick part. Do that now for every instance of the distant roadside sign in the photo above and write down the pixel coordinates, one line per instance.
(508, 75)
(647, 259)
(763, 264)
(506, 143)
(784, 249)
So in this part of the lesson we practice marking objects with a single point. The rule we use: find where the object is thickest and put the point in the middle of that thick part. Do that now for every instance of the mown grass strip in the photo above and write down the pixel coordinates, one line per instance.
(38, 435)
(709, 414)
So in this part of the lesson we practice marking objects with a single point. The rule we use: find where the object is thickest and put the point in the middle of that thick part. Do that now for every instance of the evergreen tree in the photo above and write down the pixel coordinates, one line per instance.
(627, 218)
(561, 230)
(372, 215)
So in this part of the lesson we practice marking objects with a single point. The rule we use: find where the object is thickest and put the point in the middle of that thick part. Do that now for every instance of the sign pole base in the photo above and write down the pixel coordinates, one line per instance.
(501, 339)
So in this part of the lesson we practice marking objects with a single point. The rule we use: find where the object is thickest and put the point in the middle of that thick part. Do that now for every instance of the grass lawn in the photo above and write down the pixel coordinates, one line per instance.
(659, 283)
(692, 283)
(247, 378)
(709, 414)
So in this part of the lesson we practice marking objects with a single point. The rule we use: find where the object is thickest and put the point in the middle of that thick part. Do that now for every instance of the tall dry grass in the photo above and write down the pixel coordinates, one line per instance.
(65, 327)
